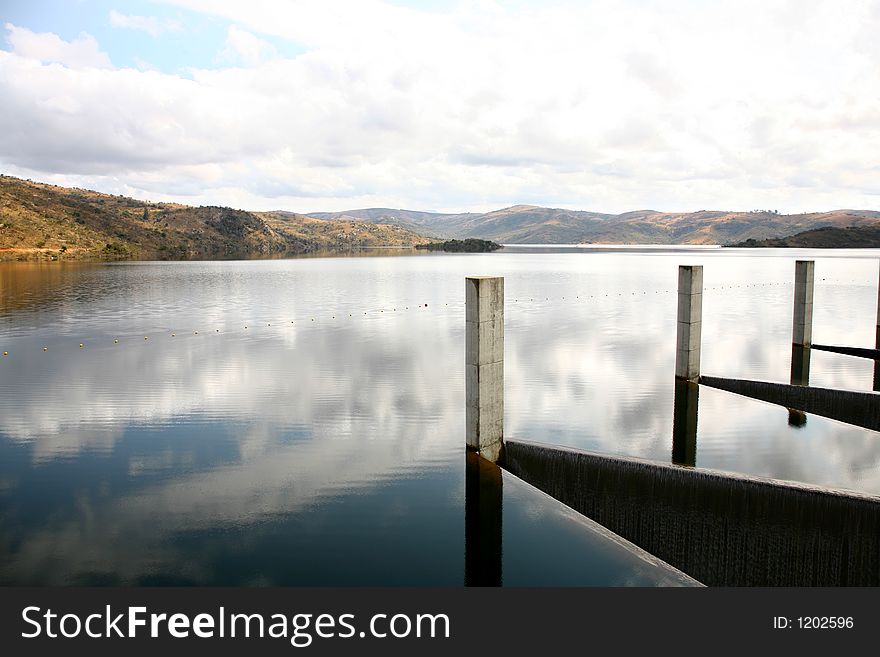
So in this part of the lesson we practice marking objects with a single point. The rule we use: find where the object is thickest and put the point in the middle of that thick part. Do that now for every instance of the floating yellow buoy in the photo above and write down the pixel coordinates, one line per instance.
(173, 335)
(80, 345)
(116, 342)
(5, 353)
(145, 337)
(45, 348)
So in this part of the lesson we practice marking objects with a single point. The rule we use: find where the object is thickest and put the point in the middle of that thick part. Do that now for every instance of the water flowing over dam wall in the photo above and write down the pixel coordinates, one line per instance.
(859, 408)
(722, 529)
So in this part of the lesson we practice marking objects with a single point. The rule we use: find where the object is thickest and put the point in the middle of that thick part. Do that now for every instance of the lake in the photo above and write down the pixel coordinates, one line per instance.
(301, 422)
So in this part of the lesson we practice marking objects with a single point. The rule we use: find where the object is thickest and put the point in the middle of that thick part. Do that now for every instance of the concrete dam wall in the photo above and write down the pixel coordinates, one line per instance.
(722, 529)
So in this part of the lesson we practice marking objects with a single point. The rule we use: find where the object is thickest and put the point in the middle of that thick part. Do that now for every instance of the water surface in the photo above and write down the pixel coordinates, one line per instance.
(304, 424)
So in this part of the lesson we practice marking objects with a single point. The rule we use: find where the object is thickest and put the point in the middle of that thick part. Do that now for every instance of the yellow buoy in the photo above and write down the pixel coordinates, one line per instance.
(5, 353)
(116, 342)
(45, 348)
(145, 337)
(173, 335)
(80, 345)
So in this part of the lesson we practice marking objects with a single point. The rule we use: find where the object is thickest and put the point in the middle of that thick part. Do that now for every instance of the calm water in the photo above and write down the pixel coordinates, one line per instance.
(323, 443)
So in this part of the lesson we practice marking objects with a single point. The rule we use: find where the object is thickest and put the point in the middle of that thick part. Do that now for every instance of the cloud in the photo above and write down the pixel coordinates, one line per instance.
(243, 47)
(644, 67)
(607, 106)
(82, 52)
(149, 24)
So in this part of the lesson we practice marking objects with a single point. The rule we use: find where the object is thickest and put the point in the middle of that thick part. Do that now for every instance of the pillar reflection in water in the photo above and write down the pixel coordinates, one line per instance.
(800, 376)
(684, 422)
(877, 362)
(877, 343)
(482, 535)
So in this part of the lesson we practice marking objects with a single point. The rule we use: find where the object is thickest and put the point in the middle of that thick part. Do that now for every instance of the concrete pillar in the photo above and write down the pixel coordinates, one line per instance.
(800, 376)
(877, 339)
(802, 330)
(686, 403)
(877, 345)
(690, 322)
(484, 365)
(800, 365)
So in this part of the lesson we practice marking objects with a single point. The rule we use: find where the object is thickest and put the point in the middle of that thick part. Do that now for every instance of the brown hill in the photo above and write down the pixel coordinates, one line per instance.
(829, 237)
(530, 224)
(46, 221)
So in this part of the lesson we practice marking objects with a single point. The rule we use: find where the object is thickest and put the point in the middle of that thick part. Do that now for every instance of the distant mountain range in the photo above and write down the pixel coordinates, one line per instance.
(40, 221)
(530, 224)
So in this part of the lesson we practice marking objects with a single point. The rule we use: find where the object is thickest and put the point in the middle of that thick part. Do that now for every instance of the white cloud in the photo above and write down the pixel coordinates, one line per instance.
(149, 24)
(242, 47)
(82, 52)
(609, 106)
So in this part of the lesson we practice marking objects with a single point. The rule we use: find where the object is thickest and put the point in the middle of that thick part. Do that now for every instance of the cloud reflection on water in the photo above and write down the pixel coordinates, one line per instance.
(221, 432)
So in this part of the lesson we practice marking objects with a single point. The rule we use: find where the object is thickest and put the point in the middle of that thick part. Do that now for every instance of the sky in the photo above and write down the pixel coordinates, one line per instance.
(451, 106)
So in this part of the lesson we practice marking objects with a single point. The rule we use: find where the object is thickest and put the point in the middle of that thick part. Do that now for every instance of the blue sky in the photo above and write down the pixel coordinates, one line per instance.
(186, 39)
(453, 105)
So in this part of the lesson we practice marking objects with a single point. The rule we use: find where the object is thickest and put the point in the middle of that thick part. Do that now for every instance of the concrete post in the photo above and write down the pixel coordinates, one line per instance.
(877, 339)
(484, 365)
(802, 330)
(800, 365)
(800, 376)
(690, 322)
(877, 345)
(686, 403)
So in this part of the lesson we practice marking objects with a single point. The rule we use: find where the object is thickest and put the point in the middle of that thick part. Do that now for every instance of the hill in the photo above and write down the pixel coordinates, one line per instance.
(851, 237)
(46, 221)
(525, 224)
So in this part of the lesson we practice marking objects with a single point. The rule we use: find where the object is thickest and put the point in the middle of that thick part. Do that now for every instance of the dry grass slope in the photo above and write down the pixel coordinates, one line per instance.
(41, 221)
